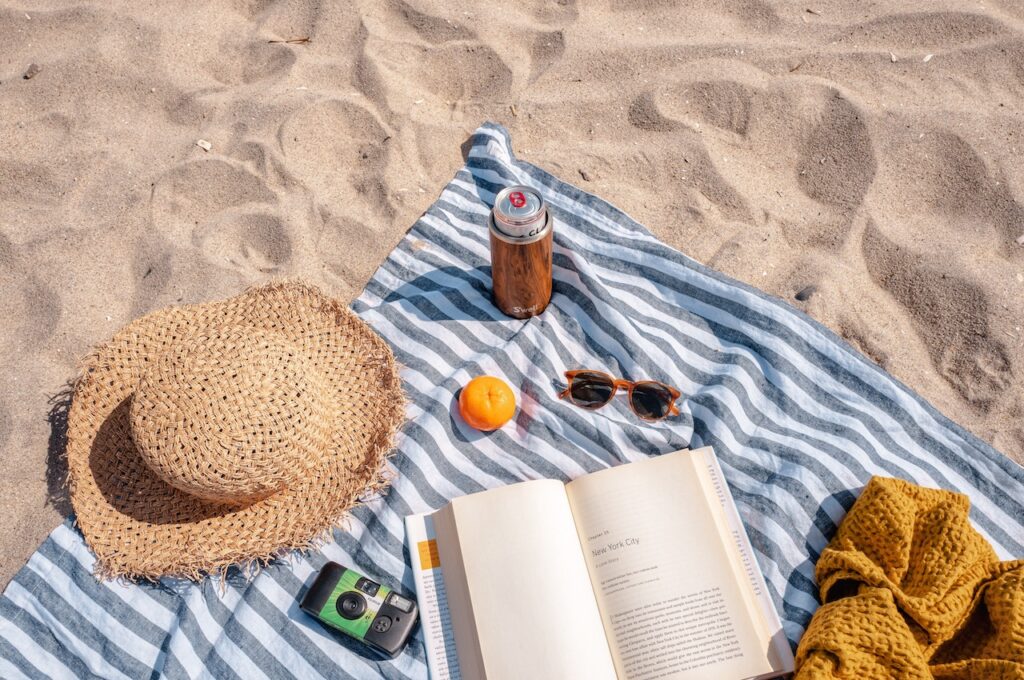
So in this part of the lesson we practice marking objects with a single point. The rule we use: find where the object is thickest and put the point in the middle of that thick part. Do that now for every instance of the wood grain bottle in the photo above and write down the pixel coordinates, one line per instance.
(522, 231)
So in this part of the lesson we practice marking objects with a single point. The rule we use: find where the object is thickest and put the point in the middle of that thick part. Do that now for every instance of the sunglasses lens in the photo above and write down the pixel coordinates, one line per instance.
(591, 390)
(651, 400)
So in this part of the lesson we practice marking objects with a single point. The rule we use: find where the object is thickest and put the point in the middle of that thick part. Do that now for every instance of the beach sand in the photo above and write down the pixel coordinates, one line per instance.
(857, 159)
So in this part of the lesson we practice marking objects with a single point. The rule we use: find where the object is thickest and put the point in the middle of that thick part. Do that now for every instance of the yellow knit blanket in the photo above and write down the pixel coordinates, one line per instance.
(911, 590)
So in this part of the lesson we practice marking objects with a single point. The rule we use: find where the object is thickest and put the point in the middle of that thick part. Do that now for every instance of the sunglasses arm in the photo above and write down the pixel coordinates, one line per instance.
(673, 409)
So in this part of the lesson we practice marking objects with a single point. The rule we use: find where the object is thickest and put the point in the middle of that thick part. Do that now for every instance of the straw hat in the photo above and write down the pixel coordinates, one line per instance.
(206, 435)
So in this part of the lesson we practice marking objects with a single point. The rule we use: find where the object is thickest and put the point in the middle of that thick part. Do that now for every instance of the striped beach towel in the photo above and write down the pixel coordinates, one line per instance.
(799, 421)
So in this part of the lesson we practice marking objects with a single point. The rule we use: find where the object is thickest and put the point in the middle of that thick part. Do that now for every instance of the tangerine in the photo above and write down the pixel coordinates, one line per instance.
(486, 403)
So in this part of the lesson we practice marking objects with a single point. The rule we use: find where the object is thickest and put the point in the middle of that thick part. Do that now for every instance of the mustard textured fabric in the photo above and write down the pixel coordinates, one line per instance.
(911, 590)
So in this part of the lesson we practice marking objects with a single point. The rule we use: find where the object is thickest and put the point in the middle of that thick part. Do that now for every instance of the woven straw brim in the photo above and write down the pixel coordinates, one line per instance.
(140, 527)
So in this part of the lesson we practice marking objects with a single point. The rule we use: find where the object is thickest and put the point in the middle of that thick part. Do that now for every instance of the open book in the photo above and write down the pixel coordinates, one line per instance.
(636, 572)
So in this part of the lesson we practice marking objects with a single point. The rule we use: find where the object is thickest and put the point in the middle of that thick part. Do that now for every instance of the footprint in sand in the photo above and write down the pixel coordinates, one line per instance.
(645, 114)
(922, 30)
(941, 176)
(225, 211)
(821, 128)
(555, 13)
(1012, 440)
(185, 107)
(282, 19)
(547, 48)
(711, 191)
(6, 422)
(193, 192)
(433, 29)
(469, 72)
(339, 150)
(725, 104)
(686, 109)
(837, 163)
(755, 15)
(251, 241)
(27, 188)
(31, 183)
(811, 140)
(440, 58)
(951, 314)
(31, 307)
(241, 63)
(341, 235)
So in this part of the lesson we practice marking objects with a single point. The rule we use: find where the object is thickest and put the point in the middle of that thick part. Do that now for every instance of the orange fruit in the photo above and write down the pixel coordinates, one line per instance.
(486, 403)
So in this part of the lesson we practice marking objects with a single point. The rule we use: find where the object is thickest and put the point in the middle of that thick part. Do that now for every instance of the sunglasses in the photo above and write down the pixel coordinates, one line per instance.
(649, 399)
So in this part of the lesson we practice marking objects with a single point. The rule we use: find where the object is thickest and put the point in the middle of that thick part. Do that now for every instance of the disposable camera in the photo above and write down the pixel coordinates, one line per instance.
(362, 608)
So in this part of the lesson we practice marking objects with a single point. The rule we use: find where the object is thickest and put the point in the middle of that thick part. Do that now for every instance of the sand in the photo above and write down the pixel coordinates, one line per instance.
(858, 159)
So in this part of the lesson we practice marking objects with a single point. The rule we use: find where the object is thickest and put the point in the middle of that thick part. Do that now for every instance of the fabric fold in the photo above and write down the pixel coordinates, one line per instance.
(911, 590)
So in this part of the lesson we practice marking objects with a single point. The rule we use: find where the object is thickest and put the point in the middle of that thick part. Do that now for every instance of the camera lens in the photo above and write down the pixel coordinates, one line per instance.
(351, 605)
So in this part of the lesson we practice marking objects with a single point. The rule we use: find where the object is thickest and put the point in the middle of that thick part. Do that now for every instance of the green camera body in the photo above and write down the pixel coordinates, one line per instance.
(370, 612)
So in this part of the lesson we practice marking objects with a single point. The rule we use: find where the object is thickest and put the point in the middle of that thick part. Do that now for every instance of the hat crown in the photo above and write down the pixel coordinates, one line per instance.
(231, 415)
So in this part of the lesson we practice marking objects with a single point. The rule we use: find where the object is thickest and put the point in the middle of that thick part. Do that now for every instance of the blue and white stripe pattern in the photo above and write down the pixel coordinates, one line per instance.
(800, 422)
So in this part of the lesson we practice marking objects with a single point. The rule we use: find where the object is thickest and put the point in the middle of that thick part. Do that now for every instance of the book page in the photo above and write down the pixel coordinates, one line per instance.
(518, 587)
(744, 561)
(665, 583)
(432, 598)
